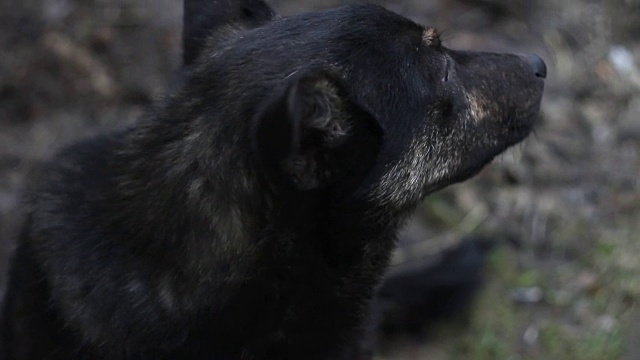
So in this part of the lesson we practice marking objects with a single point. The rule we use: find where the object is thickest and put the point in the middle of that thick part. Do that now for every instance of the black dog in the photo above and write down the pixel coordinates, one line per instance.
(251, 215)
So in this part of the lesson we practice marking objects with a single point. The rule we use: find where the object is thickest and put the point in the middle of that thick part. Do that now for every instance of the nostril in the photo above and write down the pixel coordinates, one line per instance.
(539, 67)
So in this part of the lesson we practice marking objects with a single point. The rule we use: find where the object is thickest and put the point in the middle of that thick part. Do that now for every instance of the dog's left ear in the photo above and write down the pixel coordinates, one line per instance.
(312, 135)
(201, 18)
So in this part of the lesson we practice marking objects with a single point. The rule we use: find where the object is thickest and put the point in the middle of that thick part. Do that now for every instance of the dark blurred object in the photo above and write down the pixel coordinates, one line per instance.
(418, 292)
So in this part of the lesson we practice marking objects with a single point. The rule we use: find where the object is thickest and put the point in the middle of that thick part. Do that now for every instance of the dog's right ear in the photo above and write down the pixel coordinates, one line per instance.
(312, 135)
(202, 18)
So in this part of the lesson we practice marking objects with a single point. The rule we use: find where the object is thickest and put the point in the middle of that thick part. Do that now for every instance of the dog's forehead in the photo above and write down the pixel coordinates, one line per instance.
(374, 51)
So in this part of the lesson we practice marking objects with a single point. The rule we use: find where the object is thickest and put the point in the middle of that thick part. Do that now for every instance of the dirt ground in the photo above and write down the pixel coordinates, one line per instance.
(564, 281)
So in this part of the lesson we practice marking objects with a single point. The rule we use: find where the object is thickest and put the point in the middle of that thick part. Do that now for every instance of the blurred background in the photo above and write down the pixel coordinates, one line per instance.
(562, 279)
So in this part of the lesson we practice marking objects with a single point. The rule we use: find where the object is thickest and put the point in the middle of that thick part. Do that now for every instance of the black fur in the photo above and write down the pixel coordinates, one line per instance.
(251, 215)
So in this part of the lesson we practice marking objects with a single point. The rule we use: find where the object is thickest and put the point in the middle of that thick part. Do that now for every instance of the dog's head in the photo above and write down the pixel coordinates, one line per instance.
(358, 100)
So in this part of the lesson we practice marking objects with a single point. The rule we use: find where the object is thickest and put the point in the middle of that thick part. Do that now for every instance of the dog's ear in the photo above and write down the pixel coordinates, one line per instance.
(312, 135)
(201, 18)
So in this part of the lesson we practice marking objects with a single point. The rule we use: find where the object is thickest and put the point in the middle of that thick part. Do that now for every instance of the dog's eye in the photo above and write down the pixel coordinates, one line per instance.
(445, 108)
(445, 76)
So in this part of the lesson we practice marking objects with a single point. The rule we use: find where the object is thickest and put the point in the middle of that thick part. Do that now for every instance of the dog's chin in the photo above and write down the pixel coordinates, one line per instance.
(457, 178)
(520, 133)
(470, 169)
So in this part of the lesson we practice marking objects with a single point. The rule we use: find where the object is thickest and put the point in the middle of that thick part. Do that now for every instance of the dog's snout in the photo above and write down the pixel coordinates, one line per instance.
(538, 65)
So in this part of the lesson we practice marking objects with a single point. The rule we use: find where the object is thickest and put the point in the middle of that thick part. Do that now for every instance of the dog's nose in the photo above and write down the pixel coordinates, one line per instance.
(538, 65)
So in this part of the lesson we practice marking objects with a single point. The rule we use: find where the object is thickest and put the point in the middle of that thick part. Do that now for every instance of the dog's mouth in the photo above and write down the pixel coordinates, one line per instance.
(491, 138)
